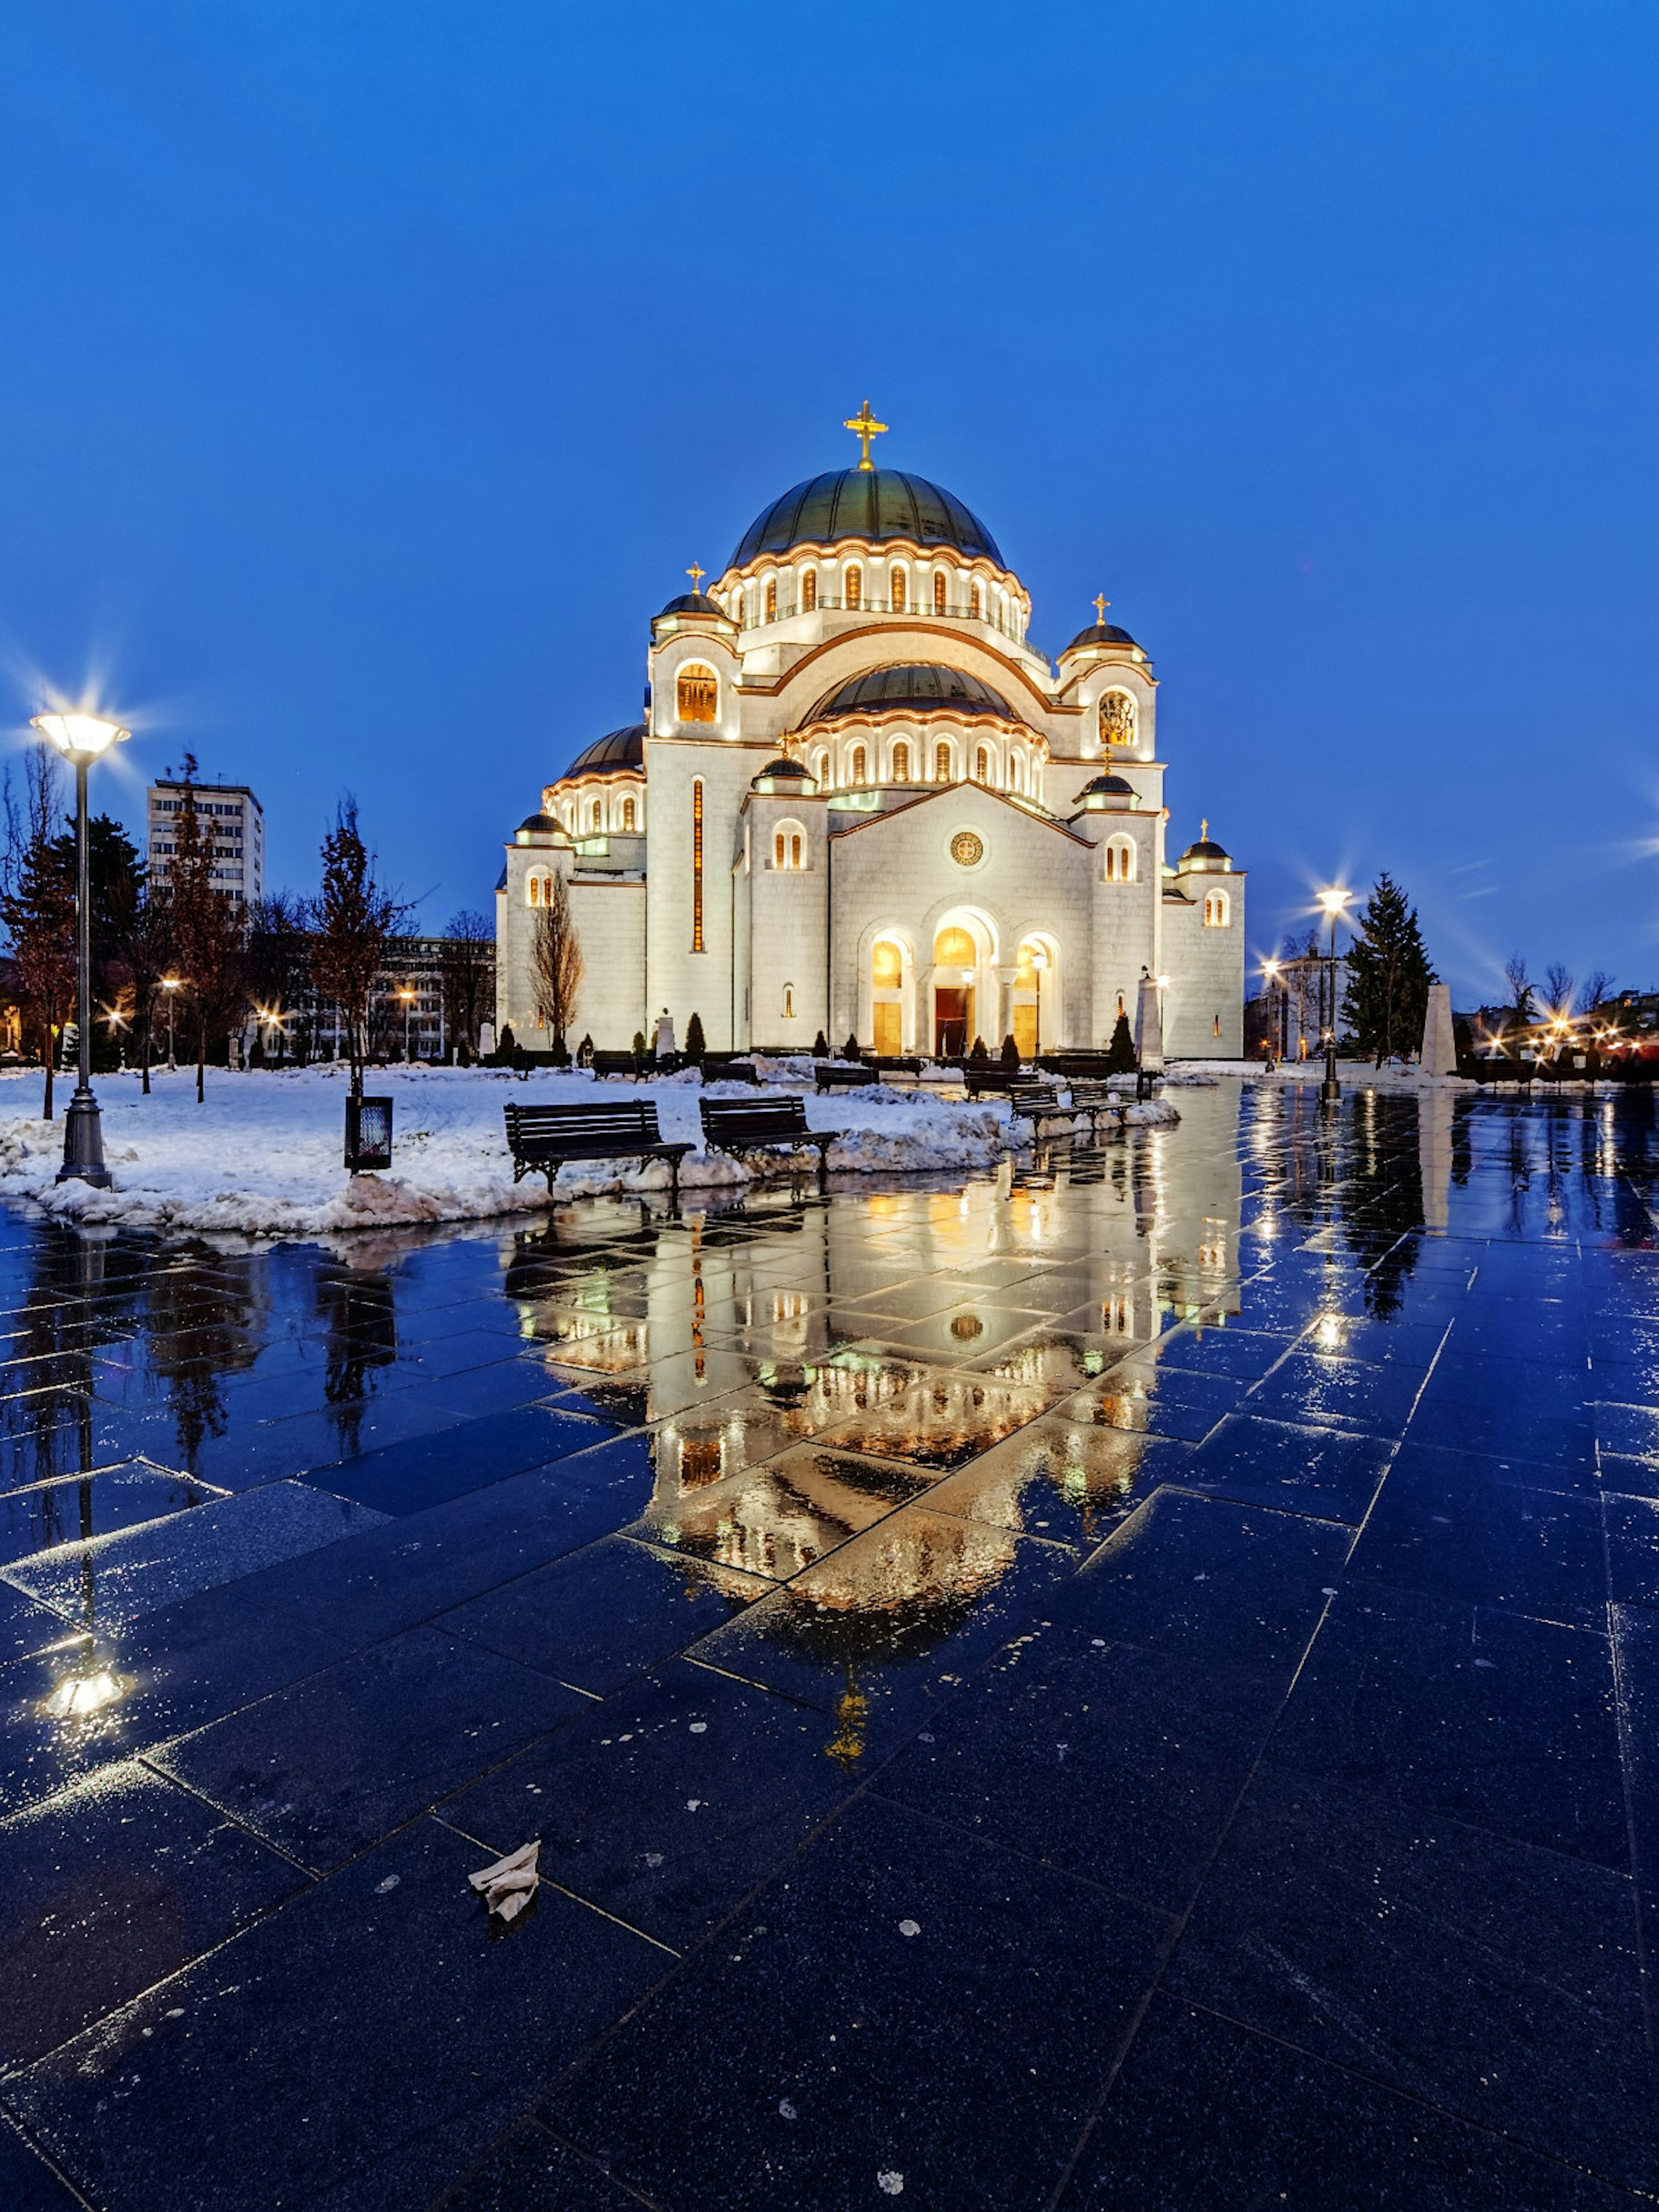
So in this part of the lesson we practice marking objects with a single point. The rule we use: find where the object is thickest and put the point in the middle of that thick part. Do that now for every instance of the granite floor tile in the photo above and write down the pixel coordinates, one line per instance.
(326, 1768)
(110, 1885)
(1206, 2114)
(1632, 1526)
(1063, 1477)
(1314, 1388)
(1447, 1962)
(1330, 1474)
(666, 1804)
(530, 2172)
(727, 2091)
(428, 1470)
(27, 2184)
(71, 1510)
(383, 2040)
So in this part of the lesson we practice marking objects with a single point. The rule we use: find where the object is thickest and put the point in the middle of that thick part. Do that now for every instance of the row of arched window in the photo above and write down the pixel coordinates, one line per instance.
(895, 587)
(592, 814)
(853, 766)
(1218, 911)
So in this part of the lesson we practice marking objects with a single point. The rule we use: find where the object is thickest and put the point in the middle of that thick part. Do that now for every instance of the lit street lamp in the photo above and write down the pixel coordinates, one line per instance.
(407, 997)
(81, 739)
(1332, 902)
(172, 985)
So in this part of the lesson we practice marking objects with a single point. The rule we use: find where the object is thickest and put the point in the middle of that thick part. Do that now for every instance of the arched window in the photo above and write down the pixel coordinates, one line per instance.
(628, 814)
(938, 591)
(900, 762)
(808, 589)
(820, 767)
(854, 592)
(697, 694)
(789, 1002)
(981, 766)
(1120, 1002)
(795, 849)
(1216, 915)
(596, 816)
(887, 996)
(1119, 860)
(696, 864)
(942, 760)
(860, 765)
(1015, 776)
(898, 590)
(974, 601)
(788, 846)
(771, 599)
(777, 848)
(1117, 719)
(539, 889)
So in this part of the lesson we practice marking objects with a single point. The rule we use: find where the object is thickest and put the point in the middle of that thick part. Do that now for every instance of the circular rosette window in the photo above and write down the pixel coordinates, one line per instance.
(966, 849)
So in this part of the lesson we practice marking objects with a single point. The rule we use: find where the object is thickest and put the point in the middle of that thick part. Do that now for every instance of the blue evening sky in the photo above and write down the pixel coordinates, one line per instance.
(373, 372)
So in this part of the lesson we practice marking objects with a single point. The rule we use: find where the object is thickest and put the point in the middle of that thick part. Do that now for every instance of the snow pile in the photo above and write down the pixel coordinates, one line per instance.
(263, 1155)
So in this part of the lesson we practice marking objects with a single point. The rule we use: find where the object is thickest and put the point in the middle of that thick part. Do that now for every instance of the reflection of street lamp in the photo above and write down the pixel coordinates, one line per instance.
(407, 997)
(1270, 970)
(81, 739)
(1039, 961)
(172, 985)
(1332, 902)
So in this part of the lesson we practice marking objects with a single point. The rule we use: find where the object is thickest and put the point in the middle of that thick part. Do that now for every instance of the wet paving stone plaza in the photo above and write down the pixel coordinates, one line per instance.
(1134, 1684)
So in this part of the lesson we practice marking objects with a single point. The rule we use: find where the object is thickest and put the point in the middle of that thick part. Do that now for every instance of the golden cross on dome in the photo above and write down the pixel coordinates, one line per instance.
(696, 574)
(864, 427)
(1204, 830)
(1100, 604)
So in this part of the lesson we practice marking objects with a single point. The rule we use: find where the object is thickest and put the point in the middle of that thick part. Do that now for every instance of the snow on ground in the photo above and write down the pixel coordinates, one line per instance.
(263, 1154)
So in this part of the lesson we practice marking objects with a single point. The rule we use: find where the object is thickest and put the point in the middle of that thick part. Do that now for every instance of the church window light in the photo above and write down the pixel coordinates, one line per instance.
(1119, 860)
(942, 760)
(820, 767)
(981, 766)
(955, 948)
(974, 601)
(697, 693)
(628, 814)
(938, 591)
(900, 762)
(789, 1002)
(788, 846)
(596, 819)
(1215, 1026)
(898, 590)
(1117, 719)
(771, 599)
(1216, 915)
(854, 592)
(861, 767)
(808, 589)
(696, 864)
(886, 965)
(795, 849)
(536, 890)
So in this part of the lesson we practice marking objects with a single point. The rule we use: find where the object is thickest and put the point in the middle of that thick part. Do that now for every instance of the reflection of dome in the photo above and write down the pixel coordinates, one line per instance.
(617, 749)
(914, 688)
(870, 503)
(1099, 634)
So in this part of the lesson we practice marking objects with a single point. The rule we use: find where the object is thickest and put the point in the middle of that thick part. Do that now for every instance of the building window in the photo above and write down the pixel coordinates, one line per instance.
(898, 590)
(860, 765)
(1215, 1026)
(596, 816)
(628, 814)
(942, 761)
(696, 864)
(974, 602)
(981, 766)
(1119, 860)
(538, 890)
(938, 591)
(808, 589)
(1215, 910)
(788, 849)
(1117, 719)
(771, 599)
(900, 762)
(820, 767)
(854, 594)
(697, 693)
(789, 1002)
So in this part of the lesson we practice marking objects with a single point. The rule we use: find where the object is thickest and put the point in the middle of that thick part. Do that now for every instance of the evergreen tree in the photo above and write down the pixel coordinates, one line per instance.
(1010, 1051)
(1389, 975)
(821, 1045)
(695, 1044)
(1121, 1053)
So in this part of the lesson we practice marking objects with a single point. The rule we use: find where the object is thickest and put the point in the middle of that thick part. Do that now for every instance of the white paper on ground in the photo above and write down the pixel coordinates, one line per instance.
(508, 1886)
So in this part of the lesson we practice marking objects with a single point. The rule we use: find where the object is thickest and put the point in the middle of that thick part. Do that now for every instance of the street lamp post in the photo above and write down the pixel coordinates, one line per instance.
(170, 984)
(1330, 1089)
(407, 997)
(1270, 970)
(81, 739)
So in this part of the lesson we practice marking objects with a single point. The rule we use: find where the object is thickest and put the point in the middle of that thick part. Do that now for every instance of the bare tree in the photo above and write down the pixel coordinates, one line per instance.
(279, 959)
(207, 927)
(351, 922)
(1595, 991)
(463, 974)
(557, 961)
(1558, 979)
(37, 903)
(148, 949)
(1521, 1010)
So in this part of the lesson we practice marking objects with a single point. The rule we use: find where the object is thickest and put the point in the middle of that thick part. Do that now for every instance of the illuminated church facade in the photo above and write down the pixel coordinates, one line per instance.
(861, 801)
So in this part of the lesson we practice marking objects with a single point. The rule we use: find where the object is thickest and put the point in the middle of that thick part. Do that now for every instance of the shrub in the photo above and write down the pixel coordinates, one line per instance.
(694, 1045)
(850, 1049)
(980, 1056)
(821, 1045)
(1010, 1051)
(1120, 1052)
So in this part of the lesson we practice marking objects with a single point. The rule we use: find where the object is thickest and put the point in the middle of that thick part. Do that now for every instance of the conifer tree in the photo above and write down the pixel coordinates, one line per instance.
(1120, 1052)
(695, 1045)
(1389, 975)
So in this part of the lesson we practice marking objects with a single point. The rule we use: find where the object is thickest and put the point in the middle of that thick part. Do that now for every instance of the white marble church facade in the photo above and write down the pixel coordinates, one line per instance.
(862, 802)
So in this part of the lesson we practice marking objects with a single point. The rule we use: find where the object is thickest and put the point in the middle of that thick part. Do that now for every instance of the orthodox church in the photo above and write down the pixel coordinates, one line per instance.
(861, 801)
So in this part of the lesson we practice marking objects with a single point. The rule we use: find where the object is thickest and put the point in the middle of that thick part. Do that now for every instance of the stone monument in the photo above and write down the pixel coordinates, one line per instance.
(1439, 1041)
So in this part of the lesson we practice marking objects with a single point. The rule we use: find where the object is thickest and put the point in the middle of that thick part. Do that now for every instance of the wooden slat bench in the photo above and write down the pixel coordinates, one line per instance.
(543, 1138)
(615, 1063)
(992, 1076)
(842, 1075)
(732, 1125)
(1090, 1096)
(1034, 1102)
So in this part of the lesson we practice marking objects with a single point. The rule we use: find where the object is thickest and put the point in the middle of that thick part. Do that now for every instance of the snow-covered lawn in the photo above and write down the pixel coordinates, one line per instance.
(263, 1154)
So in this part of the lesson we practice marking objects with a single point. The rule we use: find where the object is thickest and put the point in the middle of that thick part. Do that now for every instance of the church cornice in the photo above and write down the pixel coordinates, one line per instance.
(956, 791)
(890, 633)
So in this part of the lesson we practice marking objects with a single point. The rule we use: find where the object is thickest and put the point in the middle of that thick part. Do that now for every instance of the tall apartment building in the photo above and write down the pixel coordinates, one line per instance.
(231, 816)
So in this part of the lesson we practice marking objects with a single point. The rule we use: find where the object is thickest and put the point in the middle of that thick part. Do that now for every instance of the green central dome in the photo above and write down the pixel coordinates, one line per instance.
(872, 503)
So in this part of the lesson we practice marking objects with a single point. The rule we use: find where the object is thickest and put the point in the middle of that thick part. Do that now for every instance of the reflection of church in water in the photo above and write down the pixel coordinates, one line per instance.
(861, 800)
(801, 1475)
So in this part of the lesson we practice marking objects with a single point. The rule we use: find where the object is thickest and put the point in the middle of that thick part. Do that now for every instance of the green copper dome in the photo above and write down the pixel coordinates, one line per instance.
(872, 503)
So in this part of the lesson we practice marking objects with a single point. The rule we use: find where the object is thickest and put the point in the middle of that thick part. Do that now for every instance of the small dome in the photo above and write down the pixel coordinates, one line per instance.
(782, 770)
(872, 503)
(915, 688)
(1103, 790)
(1099, 634)
(696, 603)
(1206, 853)
(548, 824)
(617, 749)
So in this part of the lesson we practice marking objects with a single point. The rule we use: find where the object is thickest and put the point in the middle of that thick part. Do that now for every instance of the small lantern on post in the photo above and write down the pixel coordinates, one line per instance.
(367, 1133)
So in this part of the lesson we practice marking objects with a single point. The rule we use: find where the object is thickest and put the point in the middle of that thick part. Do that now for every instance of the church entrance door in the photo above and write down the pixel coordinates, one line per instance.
(888, 1022)
(953, 1020)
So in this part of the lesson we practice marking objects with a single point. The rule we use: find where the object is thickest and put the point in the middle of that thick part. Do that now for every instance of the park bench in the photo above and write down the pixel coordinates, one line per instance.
(615, 1063)
(888, 1067)
(1091, 1096)
(989, 1075)
(1034, 1102)
(843, 1075)
(541, 1139)
(732, 1125)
